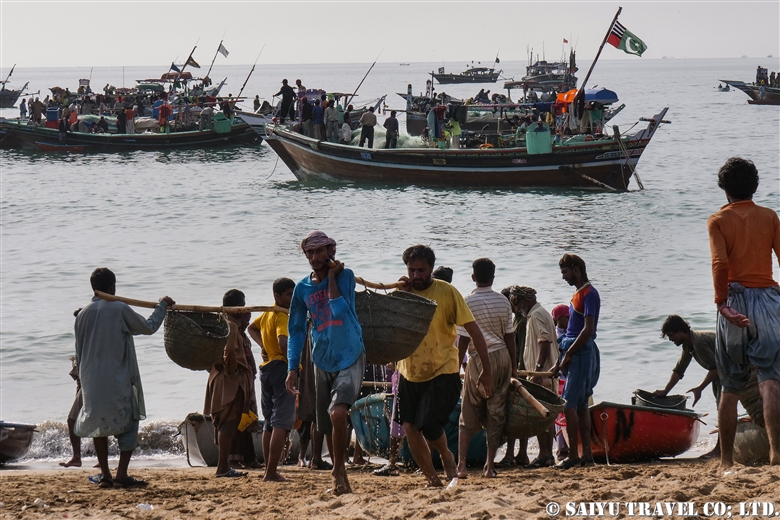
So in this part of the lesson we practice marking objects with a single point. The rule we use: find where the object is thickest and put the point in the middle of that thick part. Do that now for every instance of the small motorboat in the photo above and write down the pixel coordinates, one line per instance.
(15, 440)
(371, 420)
(627, 433)
(724, 88)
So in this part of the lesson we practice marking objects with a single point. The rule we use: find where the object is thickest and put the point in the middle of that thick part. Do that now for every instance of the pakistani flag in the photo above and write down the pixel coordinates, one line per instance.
(625, 40)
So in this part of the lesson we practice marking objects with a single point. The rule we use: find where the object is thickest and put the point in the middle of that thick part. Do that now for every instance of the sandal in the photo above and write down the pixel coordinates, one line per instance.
(568, 463)
(231, 473)
(105, 482)
(540, 462)
(129, 482)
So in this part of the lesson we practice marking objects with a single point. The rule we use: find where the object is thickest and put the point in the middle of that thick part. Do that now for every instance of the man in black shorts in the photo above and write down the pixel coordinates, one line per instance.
(430, 386)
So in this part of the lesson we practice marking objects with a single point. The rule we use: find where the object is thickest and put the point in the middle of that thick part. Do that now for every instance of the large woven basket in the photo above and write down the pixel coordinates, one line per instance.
(195, 340)
(393, 324)
(523, 421)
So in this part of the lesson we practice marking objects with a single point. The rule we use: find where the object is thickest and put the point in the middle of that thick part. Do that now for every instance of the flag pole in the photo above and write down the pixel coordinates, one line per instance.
(9, 74)
(188, 61)
(215, 54)
(581, 91)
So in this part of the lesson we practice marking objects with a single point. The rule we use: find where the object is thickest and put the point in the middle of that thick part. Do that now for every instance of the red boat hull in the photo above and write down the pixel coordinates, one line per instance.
(640, 433)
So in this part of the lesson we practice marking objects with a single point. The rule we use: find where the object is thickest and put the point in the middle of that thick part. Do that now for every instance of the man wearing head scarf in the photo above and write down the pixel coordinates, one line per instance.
(328, 296)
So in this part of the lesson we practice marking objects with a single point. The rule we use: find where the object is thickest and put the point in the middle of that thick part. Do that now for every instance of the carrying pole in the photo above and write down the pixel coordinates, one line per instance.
(580, 96)
(362, 80)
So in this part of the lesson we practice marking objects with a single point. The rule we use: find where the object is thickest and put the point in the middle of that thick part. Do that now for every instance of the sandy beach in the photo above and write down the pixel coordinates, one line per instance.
(516, 493)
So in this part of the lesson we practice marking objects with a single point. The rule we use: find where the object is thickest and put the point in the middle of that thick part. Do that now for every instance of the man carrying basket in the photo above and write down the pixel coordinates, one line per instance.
(328, 295)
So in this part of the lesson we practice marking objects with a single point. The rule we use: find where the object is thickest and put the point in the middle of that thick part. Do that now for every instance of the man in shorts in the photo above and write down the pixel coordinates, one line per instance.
(742, 238)
(579, 360)
(429, 387)
(269, 331)
(328, 296)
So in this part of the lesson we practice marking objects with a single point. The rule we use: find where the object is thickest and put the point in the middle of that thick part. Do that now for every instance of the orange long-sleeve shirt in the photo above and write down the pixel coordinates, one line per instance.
(742, 237)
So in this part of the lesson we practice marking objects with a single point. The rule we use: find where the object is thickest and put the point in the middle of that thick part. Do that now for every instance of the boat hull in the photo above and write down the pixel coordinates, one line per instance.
(32, 137)
(633, 433)
(15, 440)
(8, 98)
(769, 96)
(595, 165)
(452, 79)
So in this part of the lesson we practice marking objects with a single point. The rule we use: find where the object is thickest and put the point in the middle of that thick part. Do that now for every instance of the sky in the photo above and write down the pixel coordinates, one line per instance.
(142, 33)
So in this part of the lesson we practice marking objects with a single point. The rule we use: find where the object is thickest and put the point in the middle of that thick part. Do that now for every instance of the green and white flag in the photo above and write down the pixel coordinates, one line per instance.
(625, 40)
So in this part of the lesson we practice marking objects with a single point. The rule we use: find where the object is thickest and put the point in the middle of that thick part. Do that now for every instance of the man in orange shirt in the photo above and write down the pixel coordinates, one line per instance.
(742, 238)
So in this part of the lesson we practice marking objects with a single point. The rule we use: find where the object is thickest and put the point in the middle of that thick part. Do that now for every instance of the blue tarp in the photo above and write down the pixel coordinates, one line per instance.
(601, 95)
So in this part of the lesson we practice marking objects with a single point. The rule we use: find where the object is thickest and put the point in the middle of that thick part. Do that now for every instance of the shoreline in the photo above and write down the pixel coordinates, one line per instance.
(516, 493)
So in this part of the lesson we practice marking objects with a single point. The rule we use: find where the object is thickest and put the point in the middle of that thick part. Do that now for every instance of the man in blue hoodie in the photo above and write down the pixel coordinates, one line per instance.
(328, 295)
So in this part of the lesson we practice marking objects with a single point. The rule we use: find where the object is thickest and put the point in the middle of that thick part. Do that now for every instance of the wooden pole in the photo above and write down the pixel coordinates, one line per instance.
(250, 74)
(193, 308)
(528, 373)
(528, 397)
(9, 74)
(364, 78)
(581, 91)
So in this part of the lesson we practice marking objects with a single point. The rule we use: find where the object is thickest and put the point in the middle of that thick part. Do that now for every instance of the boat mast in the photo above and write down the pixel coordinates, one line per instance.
(215, 54)
(364, 78)
(9, 74)
(580, 96)
(249, 75)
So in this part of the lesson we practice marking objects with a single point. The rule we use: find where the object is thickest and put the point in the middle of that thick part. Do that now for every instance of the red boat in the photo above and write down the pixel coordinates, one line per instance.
(626, 433)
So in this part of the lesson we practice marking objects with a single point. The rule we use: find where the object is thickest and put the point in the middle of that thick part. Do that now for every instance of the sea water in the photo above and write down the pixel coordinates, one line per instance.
(193, 224)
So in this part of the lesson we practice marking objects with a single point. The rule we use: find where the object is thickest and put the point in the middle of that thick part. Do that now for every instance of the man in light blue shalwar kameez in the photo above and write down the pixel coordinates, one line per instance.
(110, 380)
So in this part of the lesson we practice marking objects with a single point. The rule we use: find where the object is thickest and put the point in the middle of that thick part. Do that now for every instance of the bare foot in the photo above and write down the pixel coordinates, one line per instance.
(72, 463)
(450, 467)
(276, 477)
(725, 466)
(340, 485)
(359, 462)
(489, 473)
(96, 465)
(433, 481)
(302, 464)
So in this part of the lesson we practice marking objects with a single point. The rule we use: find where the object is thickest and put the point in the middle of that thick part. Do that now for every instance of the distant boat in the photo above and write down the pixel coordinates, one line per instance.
(470, 75)
(406, 64)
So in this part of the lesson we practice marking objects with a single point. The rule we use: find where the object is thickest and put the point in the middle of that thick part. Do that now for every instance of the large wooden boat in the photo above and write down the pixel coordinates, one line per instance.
(758, 94)
(15, 440)
(546, 76)
(625, 433)
(606, 163)
(470, 75)
(9, 97)
(38, 137)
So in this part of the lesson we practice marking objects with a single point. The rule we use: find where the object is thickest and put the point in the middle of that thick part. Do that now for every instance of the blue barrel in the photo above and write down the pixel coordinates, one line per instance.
(52, 113)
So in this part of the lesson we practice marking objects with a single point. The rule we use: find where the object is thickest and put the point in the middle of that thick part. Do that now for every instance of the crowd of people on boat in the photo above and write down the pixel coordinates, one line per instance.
(767, 80)
(314, 361)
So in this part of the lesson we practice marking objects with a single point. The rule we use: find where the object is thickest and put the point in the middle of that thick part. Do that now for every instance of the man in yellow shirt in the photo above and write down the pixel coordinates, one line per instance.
(429, 387)
(270, 332)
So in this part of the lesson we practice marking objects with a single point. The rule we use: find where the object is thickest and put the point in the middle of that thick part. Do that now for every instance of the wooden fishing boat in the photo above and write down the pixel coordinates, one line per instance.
(758, 94)
(33, 137)
(544, 76)
(606, 163)
(371, 420)
(625, 433)
(15, 440)
(470, 75)
(9, 97)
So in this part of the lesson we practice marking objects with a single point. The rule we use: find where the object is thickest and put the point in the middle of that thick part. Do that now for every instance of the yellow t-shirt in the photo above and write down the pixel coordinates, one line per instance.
(438, 354)
(272, 324)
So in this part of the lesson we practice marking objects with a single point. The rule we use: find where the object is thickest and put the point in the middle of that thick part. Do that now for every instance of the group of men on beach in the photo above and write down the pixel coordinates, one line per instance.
(322, 312)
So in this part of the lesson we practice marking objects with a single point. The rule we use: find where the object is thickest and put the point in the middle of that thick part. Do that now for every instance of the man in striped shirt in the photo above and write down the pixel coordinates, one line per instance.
(493, 314)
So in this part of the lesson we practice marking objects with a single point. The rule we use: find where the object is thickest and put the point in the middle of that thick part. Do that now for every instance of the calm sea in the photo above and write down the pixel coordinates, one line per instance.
(193, 224)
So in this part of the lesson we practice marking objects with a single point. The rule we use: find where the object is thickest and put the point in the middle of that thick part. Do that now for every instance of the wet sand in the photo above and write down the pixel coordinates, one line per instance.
(516, 493)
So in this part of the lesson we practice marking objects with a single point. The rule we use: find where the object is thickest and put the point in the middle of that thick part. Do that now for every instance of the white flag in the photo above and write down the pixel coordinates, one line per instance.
(222, 50)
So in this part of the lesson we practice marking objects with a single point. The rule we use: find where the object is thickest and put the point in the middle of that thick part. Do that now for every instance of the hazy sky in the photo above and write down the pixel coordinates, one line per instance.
(121, 33)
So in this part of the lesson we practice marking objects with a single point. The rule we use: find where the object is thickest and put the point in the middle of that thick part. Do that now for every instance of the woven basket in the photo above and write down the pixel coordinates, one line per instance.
(645, 398)
(393, 324)
(195, 340)
(523, 421)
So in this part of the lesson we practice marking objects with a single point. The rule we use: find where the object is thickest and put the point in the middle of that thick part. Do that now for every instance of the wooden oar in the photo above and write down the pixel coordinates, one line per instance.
(531, 399)
(194, 308)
